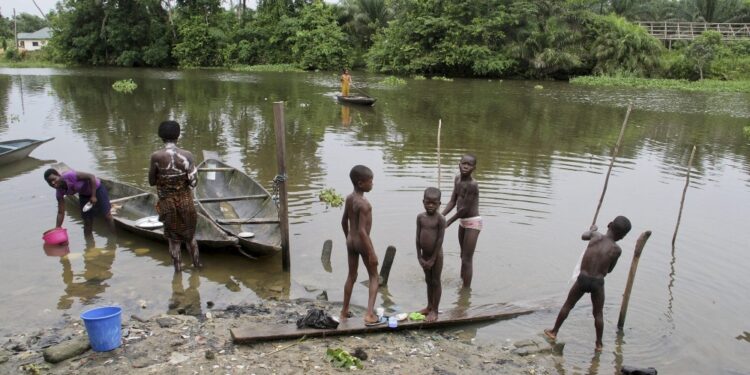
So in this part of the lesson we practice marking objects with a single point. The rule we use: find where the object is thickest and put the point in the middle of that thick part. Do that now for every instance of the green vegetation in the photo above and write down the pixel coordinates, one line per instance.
(441, 78)
(341, 358)
(331, 197)
(126, 86)
(746, 129)
(280, 68)
(539, 39)
(393, 81)
(418, 77)
(708, 85)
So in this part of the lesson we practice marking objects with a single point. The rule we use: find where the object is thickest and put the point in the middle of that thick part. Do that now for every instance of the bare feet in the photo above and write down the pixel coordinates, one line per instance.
(599, 347)
(345, 315)
(371, 318)
(551, 335)
(432, 316)
(424, 311)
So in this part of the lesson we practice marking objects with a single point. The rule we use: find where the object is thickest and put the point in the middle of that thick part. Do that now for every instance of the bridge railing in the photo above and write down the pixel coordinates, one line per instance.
(690, 30)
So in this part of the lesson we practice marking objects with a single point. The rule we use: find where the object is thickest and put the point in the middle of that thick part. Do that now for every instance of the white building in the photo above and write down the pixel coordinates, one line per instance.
(33, 41)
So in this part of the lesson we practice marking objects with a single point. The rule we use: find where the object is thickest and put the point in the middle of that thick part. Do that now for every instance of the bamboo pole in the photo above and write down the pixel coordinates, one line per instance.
(278, 114)
(682, 201)
(440, 126)
(631, 275)
(612, 162)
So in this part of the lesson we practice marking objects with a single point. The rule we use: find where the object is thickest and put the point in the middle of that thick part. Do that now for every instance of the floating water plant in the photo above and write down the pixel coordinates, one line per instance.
(125, 86)
(331, 197)
(418, 77)
(747, 131)
(441, 78)
(538, 87)
(393, 81)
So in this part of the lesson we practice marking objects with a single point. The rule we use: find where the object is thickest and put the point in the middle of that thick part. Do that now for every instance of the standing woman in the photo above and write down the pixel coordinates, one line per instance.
(173, 171)
(89, 190)
(346, 81)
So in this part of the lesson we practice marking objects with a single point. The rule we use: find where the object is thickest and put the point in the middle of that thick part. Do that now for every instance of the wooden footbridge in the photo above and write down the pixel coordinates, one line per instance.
(669, 31)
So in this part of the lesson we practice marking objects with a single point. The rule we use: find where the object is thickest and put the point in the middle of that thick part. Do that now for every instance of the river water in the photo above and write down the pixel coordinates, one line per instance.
(542, 157)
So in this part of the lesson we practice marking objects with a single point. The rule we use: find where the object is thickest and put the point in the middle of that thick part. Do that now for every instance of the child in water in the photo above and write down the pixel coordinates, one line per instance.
(356, 223)
(599, 259)
(430, 231)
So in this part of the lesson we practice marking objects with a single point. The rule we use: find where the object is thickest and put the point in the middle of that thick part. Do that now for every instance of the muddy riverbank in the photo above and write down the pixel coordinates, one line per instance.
(187, 344)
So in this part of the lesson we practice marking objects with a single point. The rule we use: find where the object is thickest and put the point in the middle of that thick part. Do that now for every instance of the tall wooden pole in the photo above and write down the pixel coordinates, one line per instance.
(612, 162)
(682, 201)
(278, 114)
(440, 126)
(631, 275)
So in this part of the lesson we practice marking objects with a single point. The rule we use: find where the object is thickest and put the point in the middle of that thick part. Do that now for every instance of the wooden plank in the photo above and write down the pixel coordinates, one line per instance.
(352, 326)
(215, 169)
(238, 198)
(118, 200)
(248, 221)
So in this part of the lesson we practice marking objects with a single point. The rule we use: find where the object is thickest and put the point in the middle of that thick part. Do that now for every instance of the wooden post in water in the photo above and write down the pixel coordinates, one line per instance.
(325, 256)
(631, 275)
(278, 116)
(682, 201)
(612, 162)
(385, 270)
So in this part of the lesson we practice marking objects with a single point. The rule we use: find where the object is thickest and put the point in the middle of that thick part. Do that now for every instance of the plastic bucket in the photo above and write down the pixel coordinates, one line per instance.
(103, 325)
(55, 236)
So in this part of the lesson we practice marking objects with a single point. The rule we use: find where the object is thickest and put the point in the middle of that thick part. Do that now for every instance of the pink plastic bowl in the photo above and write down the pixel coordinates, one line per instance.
(55, 236)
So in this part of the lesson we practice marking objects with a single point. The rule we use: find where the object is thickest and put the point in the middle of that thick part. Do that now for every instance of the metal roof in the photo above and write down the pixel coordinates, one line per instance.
(36, 35)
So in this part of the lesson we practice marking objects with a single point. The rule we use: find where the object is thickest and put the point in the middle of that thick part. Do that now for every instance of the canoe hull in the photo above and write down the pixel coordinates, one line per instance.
(356, 99)
(237, 203)
(12, 151)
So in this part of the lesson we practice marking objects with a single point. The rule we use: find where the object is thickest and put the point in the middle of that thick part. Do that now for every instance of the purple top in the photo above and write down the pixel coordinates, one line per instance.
(75, 186)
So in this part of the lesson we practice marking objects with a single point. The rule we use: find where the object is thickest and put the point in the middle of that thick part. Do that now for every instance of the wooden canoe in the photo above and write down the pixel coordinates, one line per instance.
(11, 151)
(356, 99)
(356, 326)
(129, 204)
(239, 204)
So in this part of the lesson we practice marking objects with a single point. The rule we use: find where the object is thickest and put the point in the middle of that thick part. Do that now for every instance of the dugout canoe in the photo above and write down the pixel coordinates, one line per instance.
(356, 99)
(17, 149)
(240, 206)
(130, 204)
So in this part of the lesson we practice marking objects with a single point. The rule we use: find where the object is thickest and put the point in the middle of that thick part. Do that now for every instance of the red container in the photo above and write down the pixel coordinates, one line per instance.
(57, 236)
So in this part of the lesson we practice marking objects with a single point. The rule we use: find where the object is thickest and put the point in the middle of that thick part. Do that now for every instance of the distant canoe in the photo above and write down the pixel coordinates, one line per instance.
(356, 99)
(18, 149)
(239, 205)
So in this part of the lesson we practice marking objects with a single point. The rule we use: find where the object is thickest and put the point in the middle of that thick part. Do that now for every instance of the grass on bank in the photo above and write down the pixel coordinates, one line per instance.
(706, 85)
(279, 68)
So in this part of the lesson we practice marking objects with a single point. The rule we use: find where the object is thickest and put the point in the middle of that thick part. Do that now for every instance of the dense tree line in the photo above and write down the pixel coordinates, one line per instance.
(494, 38)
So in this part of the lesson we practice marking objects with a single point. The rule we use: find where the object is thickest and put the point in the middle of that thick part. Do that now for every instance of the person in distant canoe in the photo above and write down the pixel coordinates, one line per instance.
(346, 81)
(599, 259)
(89, 189)
(173, 171)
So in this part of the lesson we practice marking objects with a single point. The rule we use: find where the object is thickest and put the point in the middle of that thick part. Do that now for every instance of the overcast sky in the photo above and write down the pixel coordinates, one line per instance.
(27, 6)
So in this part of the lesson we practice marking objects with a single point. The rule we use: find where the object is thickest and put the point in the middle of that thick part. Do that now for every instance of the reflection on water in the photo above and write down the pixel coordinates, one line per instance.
(542, 156)
(185, 301)
(92, 282)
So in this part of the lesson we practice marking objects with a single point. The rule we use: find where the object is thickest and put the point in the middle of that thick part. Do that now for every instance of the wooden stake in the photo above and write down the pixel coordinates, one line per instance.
(631, 275)
(278, 114)
(385, 270)
(612, 162)
(325, 256)
(682, 201)
(440, 126)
